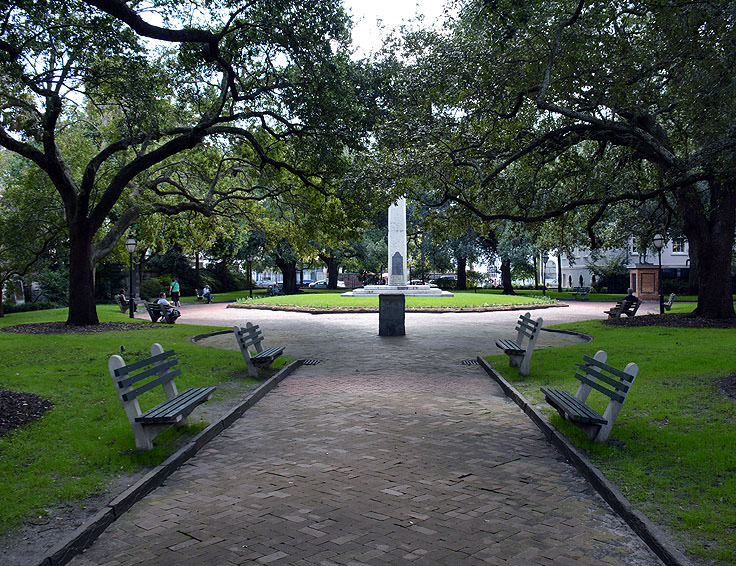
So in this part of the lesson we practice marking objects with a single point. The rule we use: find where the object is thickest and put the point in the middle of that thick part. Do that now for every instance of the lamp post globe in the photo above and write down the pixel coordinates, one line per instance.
(658, 242)
(130, 245)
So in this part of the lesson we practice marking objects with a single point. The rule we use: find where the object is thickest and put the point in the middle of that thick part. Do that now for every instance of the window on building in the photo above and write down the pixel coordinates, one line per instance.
(679, 246)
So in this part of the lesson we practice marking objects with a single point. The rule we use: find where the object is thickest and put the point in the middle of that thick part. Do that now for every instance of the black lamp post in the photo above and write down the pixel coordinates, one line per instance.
(249, 259)
(545, 259)
(130, 245)
(658, 242)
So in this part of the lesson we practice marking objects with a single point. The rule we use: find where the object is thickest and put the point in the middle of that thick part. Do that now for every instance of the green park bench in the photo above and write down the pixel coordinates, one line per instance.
(520, 355)
(160, 313)
(580, 292)
(595, 374)
(628, 308)
(251, 335)
(122, 303)
(160, 369)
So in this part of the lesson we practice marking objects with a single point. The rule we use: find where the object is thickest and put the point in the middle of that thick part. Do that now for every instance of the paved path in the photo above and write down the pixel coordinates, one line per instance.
(388, 452)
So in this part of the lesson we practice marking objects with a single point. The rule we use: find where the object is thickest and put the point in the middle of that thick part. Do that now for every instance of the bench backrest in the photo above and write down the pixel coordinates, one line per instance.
(527, 327)
(610, 381)
(249, 335)
(629, 306)
(160, 369)
(596, 374)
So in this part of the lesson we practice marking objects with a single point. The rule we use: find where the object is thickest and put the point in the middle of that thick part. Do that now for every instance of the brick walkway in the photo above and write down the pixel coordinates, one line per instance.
(346, 463)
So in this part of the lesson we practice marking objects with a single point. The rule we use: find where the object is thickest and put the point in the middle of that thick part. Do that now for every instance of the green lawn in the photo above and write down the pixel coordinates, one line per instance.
(334, 299)
(672, 449)
(78, 445)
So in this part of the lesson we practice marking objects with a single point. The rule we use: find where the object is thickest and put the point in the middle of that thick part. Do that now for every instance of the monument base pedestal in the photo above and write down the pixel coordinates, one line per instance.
(407, 290)
(391, 315)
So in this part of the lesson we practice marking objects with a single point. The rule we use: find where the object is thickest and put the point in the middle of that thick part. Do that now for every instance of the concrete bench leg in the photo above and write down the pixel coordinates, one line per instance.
(515, 359)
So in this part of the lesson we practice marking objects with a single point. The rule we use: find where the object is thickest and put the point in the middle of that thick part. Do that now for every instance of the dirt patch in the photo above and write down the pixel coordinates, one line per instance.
(728, 385)
(684, 320)
(18, 409)
(64, 328)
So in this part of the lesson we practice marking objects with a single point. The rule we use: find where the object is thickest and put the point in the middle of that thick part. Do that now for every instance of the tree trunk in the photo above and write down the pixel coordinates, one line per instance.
(82, 308)
(2, 313)
(692, 276)
(223, 274)
(288, 269)
(711, 237)
(536, 272)
(332, 269)
(462, 276)
(196, 271)
(508, 288)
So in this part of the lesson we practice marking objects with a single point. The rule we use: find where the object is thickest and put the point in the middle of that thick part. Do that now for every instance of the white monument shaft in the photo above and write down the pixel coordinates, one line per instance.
(397, 243)
(398, 275)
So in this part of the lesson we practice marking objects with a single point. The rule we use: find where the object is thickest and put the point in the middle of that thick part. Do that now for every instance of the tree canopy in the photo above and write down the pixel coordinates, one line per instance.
(140, 89)
(530, 111)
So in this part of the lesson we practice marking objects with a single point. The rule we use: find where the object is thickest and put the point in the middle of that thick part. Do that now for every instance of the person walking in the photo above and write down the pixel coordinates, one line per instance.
(174, 291)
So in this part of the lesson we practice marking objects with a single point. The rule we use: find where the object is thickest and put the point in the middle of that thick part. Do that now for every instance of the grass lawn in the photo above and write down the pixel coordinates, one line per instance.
(84, 439)
(672, 450)
(334, 299)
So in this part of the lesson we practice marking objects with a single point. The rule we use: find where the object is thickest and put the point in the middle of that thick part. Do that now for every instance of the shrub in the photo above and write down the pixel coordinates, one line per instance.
(151, 288)
(446, 283)
(25, 307)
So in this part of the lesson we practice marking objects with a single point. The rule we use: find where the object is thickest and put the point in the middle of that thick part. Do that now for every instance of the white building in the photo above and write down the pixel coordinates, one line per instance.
(675, 262)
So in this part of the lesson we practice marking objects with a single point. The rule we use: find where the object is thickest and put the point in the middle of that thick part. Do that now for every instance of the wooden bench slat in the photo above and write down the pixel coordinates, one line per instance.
(137, 365)
(617, 384)
(131, 379)
(509, 345)
(598, 387)
(269, 353)
(572, 407)
(610, 369)
(168, 376)
(171, 410)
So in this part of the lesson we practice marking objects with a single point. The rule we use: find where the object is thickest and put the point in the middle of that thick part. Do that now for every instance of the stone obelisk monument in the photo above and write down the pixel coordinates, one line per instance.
(397, 243)
(398, 274)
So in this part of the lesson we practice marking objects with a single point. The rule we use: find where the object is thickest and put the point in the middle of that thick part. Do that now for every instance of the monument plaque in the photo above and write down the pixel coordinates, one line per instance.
(391, 315)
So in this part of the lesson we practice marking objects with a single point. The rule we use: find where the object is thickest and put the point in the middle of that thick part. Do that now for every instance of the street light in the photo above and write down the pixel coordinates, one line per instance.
(658, 242)
(249, 259)
(545, 259)
(130, 245)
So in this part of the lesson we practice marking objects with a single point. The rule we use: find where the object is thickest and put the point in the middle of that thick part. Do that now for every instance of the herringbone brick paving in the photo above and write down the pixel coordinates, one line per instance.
(345, 468)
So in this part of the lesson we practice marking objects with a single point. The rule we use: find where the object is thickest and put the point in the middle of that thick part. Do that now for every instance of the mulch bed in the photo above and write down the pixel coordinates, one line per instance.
(685, 320)
(64, 328)
(17, 409)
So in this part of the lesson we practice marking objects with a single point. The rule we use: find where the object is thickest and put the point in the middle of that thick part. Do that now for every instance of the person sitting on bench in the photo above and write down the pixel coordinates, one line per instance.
(207, 294)
(164, 303)
(630, 298)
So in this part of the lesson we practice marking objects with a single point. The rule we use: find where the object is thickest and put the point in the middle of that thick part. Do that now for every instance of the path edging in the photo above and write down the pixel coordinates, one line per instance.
(87, 533)
(652, 535)
(409, 310)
